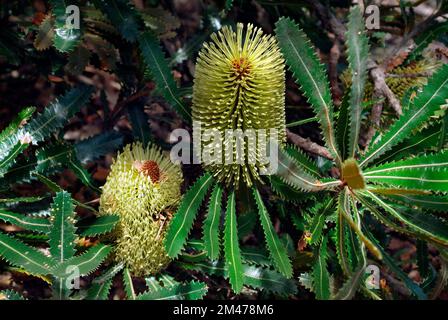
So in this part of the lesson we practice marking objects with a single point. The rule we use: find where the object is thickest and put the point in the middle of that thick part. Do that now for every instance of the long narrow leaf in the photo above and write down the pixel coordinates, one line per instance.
(277, 251)
(231, 246)
(182, 221)
(307, 69)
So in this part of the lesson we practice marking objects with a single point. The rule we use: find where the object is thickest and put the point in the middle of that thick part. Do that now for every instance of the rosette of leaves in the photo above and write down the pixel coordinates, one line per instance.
(400, 179)
(143, 188)
(61, 235)
(239, 85)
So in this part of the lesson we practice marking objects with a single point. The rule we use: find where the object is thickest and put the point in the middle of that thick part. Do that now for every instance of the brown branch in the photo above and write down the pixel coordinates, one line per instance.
(308, 145)
(378, 75)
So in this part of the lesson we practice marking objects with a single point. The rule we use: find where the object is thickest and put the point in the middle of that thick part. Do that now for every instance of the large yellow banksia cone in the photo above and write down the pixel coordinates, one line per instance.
(143, 188)
(239, 84)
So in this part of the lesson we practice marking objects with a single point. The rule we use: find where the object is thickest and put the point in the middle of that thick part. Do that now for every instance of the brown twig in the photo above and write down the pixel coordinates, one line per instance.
(308, 145)
(378, 75)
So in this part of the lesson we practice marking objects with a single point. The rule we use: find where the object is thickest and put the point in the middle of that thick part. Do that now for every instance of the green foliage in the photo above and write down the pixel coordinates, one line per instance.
(97, 226)
(424, 105)
(277, 251)
(358, 53)
(182, 221)
(400, 178)
(66, 38)
(321, 277)
(122, 15)
(211, 232)
(254, 276)
(192, 290)
(310, 75)
(62, 262)
(23, 221)
(62, 234)
(158, 67)
(232, 250)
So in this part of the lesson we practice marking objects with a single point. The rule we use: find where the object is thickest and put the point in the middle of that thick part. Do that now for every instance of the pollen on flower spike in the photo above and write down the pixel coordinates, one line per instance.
(149, 168)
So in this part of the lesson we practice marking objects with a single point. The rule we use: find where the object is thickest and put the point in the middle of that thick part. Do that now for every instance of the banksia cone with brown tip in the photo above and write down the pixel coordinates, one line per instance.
(239, 85)
(143, 188)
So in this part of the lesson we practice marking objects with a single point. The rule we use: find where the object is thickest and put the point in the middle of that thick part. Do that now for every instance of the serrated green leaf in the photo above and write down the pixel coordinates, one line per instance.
(351, 285)
(321, 276)
(426, 37)
(10, 158)
(254, 276)
(97, 146)
(192, 290)
(78, 60)
(300, 157)
(122, 15)
(62, 234)
(310, 75)
(358, 52)
(13, 140)
(388, 260)
(269, 280)
(45, 34)
(321, 213)
(425, 105)
(84, 263)
(57, 113)
(343, 255)
(99, 226)
(13, 201)
(28, 223)
(345, 210)
(424, 225)
(6, 143)
(422, 141)
(182, 221)
(160, 71)
(211, 233)
(427, 172)
(99, 291)
(139, 121)
(432, 202)
(21, 255)
(286, 192)
(109, 274)
(277, 251)
(66, 37)
(129, 285)
(292, 173)
(256, 256)
(232, 251)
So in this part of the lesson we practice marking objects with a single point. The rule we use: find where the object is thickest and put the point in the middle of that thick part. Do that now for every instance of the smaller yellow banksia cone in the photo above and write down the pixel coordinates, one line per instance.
(143, 188)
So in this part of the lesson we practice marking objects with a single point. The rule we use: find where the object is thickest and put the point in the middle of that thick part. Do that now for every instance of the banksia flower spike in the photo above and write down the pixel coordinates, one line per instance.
(143, 188)
(239, 85)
